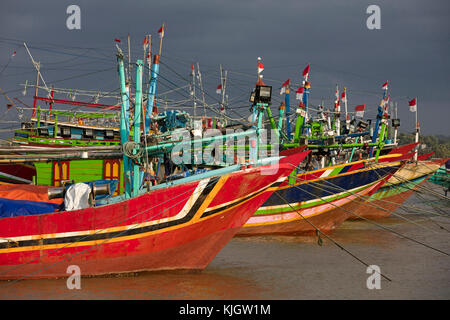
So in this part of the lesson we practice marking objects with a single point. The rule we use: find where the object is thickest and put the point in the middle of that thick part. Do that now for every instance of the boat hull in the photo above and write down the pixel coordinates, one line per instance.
(317, 203)
(396, 191)
(177, 227)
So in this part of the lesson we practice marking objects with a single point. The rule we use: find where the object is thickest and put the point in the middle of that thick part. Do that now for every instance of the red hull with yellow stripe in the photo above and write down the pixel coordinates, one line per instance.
(177, 227)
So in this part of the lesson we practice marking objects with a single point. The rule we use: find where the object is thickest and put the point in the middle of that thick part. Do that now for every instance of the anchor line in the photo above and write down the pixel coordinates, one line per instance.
(318, 232)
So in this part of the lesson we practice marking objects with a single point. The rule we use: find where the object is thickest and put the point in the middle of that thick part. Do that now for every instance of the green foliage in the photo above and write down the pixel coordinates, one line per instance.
(438, 144)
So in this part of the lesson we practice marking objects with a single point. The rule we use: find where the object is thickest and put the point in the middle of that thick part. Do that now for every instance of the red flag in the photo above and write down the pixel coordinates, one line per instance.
(299, 93)
(161, 31)
(14, 53)
(283, 86)
(306, 72)
(145, 43)
(343, 97)
(359, 110)
(117, 40)
(219, 89)
(413, 105)
(385, 86)
(260, 67)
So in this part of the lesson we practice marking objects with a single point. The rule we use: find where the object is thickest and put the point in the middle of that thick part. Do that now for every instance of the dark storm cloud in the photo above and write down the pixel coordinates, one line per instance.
(411, 50)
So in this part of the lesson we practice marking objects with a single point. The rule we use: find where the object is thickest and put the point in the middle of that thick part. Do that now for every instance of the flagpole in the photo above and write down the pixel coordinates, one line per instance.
(160, 40)
(417, 133)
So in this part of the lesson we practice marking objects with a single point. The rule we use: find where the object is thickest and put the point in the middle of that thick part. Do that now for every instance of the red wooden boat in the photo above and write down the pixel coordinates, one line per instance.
(322, 198)
(181, 226)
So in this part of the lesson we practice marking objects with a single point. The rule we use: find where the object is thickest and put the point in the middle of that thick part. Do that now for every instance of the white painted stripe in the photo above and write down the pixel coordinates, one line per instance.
(188, 205)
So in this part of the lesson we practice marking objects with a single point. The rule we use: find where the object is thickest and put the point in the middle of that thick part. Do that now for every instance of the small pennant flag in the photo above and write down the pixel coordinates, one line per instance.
(161, 31)
(359, 111)
(260, 67)
(413, 105)
(9, 106)
(284, 85)
(299, 94)
(117, 40)
(385, 86)
(306, 72)
(219, 89)
(14, 53)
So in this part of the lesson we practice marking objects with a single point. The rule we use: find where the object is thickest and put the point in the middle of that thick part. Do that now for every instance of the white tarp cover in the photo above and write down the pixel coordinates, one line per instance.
(77, 197)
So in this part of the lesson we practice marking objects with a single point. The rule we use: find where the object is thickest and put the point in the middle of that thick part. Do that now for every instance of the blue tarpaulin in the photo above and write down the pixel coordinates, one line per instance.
(14, 208)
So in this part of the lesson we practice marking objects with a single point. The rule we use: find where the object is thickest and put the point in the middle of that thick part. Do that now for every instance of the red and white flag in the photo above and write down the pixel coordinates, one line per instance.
(299, 94)
(284, 85)
(161, 31)
(337, 106)
(306, 73)
(260, 67)
(14, 53)
(359, 111)
(413, 105)
(219, 89)
(145, 43)
(343, 97)
(385, 86)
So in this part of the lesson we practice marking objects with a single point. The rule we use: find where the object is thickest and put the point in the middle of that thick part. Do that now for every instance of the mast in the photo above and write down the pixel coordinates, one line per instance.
(193, 90)
(288, 111)
(124, 128)
(396, 128)
(200, 81)
(137, 125)
(129, 60)
(417, 133)
(223, 82)
(379, 118)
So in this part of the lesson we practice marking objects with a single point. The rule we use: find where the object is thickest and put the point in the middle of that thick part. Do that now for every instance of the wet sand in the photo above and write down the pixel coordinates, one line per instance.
(289, 267)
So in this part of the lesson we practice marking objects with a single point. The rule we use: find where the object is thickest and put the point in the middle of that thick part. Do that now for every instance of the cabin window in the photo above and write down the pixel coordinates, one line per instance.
(88, 133)
(112, 172)
(109, 134)
(61, 172)
(65, 132)
(43, 131)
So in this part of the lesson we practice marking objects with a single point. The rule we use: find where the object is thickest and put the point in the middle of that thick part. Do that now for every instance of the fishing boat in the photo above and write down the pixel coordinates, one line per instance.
(397, 189)
(317, 200)
(180, 224)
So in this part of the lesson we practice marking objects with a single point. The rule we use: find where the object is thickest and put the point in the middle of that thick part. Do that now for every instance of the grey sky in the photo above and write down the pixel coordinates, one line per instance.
(411, 50)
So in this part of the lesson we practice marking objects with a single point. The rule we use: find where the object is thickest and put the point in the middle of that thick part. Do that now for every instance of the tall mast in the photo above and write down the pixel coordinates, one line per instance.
(124, 125)
(193, 90)
(38, 67)
(200, 81)
(417, 132)
(137, 125)
(224, 86)
(129, 60)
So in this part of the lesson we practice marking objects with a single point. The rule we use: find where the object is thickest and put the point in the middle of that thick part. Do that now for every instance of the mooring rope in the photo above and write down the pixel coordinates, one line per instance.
(318, 232)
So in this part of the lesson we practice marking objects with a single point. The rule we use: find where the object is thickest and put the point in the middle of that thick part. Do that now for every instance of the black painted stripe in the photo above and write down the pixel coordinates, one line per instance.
(115, 234)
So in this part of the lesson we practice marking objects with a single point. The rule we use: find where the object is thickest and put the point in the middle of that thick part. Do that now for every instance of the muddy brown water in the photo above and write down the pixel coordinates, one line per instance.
(290, 267)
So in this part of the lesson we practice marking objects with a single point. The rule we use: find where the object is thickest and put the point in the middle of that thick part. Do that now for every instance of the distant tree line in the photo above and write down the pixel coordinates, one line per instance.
(438, 144)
